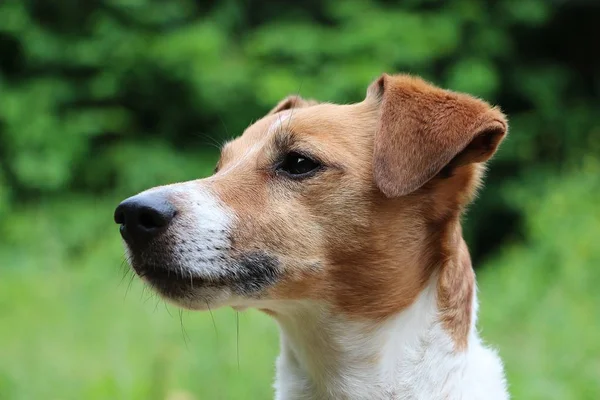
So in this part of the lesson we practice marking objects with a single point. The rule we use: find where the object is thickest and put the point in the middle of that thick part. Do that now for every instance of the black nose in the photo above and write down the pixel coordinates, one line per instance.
(144, 216)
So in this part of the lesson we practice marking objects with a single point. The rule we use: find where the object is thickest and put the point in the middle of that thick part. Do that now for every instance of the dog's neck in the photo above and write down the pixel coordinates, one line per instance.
(408, 356)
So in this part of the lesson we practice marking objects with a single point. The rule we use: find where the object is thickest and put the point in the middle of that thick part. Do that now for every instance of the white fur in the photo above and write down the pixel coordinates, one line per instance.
(200, 236)
(410, 356)
(204, 219)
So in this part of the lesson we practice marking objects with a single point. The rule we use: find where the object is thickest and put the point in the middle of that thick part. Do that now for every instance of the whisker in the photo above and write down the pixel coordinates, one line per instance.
(229, 137)
(150, 295)
(237, 330)
(212, 317)
(167, 309)
(209, 139)
(183, 332)
(125, 269)
(129, 285)
(292, 111)
(124, 275)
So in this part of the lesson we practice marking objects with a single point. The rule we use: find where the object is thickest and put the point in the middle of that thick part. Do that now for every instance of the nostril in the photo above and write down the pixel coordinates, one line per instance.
(119, 217)
(150, 219)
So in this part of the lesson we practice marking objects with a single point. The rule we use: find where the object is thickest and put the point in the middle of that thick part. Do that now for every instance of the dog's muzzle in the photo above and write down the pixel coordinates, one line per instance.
(178, 239)
(144, 220)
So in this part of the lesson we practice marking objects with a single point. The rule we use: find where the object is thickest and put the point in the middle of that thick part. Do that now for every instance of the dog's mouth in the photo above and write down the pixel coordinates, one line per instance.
(246, 275)
(174, 282)
(156, 274)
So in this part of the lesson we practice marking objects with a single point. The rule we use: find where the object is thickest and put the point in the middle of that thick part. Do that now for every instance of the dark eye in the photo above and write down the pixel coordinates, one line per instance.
(297, 165)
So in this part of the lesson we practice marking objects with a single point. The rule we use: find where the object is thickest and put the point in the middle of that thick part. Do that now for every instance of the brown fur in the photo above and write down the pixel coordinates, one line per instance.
(423, 128)
(366, 234)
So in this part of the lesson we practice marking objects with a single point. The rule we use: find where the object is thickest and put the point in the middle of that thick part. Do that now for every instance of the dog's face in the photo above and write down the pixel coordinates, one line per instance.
(334, 203)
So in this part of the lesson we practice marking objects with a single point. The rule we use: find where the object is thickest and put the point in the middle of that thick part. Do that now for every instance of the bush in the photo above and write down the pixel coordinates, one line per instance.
(538, 297)
(85, 86)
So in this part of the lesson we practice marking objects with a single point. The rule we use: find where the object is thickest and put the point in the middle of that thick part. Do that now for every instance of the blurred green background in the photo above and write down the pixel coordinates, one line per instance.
(102, 98)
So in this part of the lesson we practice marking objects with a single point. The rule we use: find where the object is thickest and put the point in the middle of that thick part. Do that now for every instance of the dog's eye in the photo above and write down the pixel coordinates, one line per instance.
(297, 165)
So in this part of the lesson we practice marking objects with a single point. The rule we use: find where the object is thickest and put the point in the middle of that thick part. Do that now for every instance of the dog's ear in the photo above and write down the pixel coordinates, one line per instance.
(422, 129)
(292, 102)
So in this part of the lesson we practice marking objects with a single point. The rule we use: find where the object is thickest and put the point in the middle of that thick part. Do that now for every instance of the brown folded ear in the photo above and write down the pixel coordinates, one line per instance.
(423, 129)
(292, 102)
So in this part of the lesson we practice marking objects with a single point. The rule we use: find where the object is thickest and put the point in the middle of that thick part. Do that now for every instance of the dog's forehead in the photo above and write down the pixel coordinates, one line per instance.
(325, 123)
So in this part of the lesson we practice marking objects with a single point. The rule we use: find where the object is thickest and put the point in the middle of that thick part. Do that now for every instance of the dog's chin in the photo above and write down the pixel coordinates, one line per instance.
(186, 291)
(228, 281)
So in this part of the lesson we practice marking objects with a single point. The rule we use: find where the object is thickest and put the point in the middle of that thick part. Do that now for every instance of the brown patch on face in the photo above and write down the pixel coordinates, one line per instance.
(299, 221)
(410, 238)
(385, 273)
(367, 231)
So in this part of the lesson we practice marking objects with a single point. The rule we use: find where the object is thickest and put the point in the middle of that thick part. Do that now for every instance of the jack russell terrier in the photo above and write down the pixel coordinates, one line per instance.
(341, 222)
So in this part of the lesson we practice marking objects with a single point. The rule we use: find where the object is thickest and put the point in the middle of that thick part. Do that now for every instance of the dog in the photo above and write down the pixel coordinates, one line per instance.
(341, 222)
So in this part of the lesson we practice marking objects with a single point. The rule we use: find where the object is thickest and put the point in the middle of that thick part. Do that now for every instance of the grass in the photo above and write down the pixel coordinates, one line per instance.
(71, 328)
(83, 335)
(540, 299)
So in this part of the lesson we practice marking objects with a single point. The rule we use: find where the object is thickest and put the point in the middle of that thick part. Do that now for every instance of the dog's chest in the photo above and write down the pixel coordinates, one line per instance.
(411, 357)
(374, 370)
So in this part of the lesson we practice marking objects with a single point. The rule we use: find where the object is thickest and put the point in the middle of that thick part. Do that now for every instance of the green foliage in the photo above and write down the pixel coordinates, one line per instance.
(101, 99)
(78, 81)
(540, 298)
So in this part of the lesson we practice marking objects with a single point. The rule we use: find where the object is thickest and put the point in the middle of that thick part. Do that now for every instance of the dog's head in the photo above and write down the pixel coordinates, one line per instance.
(343, 204)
